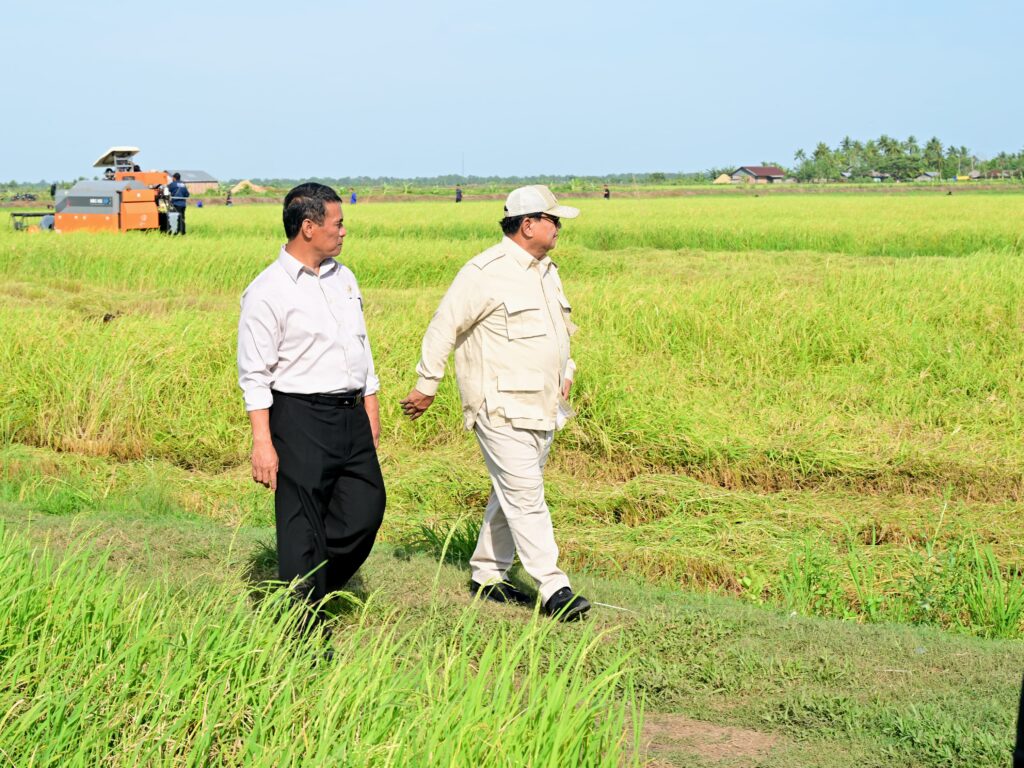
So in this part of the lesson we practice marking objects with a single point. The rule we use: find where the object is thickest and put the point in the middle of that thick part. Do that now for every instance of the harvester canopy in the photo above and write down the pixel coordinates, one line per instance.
(118, 157)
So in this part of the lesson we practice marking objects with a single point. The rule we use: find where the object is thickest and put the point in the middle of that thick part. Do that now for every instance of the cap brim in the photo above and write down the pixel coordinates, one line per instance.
(564, 212)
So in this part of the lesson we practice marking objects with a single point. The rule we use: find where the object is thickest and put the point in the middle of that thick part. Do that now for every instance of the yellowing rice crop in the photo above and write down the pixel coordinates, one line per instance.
(803, 400)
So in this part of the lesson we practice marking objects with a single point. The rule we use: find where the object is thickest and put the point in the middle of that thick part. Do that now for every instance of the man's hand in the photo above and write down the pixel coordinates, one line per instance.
(415, 404)
(264, 457)
(566, 386)
(264, 463)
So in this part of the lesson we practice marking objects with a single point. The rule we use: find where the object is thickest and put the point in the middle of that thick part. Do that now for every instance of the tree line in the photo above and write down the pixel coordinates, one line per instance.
(900, 160)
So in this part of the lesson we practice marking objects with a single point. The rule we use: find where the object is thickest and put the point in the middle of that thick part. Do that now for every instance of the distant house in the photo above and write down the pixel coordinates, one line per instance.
(246, 186)
(877, 176)
(999, 175)
(929, 176)
(758, 174)
(197, 181)
(974, 175)
(723, 178)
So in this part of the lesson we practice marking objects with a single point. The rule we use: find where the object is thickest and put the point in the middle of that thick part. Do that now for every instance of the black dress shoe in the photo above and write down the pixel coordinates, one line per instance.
(500, 592)
(565, 606)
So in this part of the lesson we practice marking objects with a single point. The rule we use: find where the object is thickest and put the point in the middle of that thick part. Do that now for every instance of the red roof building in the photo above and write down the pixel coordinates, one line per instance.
(758, 174)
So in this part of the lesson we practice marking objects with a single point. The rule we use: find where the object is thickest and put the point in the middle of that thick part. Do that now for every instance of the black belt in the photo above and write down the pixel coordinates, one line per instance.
(336, 399)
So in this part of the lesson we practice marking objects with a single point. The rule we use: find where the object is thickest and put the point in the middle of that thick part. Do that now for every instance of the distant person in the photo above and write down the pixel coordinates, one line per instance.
(53, 191)
(458, 193)
(306, 371)
(352, 198)
(507, 318)
(607, 194)
(227, 200)
(178, 193)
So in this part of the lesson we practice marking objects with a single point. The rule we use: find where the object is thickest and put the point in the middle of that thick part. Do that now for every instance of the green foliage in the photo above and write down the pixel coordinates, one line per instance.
(223, 682)
(899, 160)
(452, 542)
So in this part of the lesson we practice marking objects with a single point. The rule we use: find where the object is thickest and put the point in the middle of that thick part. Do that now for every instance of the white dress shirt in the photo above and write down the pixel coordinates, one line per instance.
(302, 332)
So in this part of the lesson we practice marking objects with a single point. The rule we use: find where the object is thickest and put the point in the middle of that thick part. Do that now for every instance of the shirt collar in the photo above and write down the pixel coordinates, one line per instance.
(293, 267)
(521, 256)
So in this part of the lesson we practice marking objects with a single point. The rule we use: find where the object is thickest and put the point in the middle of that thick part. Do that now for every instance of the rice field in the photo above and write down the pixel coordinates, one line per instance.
(757, 376)
(811, 404)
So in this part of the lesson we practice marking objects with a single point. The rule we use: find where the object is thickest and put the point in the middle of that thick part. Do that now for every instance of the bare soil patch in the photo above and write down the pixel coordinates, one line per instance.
(667, 735)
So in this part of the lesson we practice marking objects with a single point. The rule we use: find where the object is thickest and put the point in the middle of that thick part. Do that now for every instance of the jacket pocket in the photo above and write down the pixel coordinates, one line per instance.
(521, 381)
(521, 394)
(523, 318)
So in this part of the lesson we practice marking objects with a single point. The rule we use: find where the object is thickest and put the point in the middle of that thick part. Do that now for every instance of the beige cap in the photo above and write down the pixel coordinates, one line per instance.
(537, 199)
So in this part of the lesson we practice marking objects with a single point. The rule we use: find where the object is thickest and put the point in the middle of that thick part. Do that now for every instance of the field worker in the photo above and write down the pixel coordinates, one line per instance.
(507, 318)
(178, 193)
(306, 370)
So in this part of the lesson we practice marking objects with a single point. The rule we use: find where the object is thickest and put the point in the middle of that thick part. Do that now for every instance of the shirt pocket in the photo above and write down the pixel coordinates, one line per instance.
(352, 321)
(523, 318)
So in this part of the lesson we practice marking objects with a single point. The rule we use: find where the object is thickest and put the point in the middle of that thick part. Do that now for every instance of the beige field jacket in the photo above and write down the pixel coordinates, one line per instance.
(508, 320)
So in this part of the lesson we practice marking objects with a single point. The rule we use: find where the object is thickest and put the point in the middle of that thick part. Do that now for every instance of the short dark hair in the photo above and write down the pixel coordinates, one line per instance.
(176, 176)
(510, 224)
(306, 201)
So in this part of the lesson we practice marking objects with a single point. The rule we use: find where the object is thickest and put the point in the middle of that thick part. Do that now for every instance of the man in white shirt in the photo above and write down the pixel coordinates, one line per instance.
(306, 370)
(508, 320)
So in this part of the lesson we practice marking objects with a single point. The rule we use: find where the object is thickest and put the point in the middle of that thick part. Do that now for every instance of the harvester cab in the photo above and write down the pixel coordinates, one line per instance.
(126, 198)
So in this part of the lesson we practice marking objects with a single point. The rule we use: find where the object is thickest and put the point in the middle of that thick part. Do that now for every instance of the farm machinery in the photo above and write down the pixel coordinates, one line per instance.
(126, 198)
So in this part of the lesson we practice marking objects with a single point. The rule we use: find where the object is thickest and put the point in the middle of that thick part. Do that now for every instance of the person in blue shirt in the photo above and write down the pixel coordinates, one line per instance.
(179, 199)
(352, 198)
(458, 193)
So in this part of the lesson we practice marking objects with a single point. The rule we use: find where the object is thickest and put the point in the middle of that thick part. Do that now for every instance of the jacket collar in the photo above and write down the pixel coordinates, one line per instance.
(522, 257)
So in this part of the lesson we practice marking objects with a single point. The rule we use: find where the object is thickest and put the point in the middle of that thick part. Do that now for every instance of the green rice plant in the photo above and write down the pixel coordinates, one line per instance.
(994, 602)
(810, 585)
(96, 669)
(934, 588)
(870, 600)
(449, 542)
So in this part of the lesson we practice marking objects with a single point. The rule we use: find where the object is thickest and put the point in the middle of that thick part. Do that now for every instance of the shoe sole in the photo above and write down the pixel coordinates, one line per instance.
(494, 596)
(572, 612)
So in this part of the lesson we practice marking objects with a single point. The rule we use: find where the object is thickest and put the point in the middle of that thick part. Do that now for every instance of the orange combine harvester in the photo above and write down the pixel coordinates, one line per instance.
(127, 198)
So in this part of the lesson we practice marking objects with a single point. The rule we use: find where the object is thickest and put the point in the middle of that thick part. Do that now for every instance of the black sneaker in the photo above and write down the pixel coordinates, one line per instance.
(500, 592)
(565, 606)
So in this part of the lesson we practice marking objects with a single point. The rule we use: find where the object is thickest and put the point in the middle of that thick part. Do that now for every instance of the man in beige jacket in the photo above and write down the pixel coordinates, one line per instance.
(507, 318)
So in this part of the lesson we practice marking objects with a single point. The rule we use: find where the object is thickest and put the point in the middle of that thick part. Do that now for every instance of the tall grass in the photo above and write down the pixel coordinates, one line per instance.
(755, 371)
(98, 670)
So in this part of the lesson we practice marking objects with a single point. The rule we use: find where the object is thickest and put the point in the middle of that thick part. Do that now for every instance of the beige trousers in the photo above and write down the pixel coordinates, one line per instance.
(517, 518)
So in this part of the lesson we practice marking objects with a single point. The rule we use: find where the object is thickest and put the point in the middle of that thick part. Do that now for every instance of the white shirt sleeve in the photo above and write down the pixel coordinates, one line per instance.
(372, 382)
(258, 340)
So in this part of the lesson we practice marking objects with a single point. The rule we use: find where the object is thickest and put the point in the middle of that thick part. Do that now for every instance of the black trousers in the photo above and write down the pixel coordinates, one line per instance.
(330, 494)
(181, 220)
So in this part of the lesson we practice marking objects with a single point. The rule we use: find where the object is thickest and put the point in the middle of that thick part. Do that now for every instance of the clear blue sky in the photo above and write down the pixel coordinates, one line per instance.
(296, 89)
